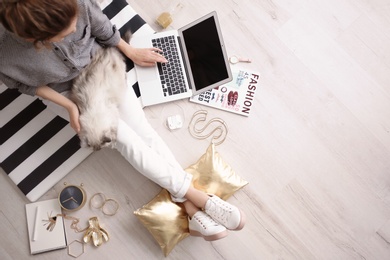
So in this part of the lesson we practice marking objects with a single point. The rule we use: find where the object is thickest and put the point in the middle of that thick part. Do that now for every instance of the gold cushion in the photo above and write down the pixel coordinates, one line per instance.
(213, 175)
(167, 221)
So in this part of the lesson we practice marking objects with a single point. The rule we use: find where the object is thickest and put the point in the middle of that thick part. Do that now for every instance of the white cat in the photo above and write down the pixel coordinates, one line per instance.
(97, 92)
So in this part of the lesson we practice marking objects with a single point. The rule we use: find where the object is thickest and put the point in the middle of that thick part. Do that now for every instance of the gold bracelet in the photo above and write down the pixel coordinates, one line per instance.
(103, 204)
(93, 199)
(104, 208)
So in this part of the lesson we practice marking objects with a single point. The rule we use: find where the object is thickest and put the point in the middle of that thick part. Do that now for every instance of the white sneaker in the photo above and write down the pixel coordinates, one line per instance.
(202, 225)
(225, 213)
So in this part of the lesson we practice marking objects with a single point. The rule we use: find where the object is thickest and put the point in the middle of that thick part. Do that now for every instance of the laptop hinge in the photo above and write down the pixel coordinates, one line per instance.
(184, 63)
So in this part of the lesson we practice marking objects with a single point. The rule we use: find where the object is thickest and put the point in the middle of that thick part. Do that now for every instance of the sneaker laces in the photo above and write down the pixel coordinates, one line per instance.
(221, 211)
(205, 220)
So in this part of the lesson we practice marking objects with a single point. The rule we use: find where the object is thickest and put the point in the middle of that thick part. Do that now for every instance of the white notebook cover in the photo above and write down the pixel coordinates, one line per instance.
(41, 239)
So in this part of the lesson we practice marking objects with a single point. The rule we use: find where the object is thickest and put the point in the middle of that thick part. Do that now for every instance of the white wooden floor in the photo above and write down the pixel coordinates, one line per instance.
(315, 150)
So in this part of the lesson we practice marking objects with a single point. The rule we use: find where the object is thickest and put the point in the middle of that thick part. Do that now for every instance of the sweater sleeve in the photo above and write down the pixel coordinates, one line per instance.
(105, 32)
(22, 88)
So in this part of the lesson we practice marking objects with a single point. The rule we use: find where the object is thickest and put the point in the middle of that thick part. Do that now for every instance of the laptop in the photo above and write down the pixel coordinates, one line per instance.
(197, 62)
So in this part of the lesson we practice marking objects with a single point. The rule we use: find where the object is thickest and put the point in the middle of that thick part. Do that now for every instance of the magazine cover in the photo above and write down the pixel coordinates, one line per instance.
(236, 96)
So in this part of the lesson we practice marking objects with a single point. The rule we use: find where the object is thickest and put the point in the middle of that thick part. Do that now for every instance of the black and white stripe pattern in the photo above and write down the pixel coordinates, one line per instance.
(37, 147)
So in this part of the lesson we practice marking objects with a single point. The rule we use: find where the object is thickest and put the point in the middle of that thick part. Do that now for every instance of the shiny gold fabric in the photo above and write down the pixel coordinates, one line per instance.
(213, 175)
(167, 221)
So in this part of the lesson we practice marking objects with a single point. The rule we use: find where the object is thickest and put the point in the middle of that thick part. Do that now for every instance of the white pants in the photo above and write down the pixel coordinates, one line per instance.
(143, 148)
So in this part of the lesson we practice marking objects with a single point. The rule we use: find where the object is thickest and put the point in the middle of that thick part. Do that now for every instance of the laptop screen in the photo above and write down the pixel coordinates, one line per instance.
(206, 54)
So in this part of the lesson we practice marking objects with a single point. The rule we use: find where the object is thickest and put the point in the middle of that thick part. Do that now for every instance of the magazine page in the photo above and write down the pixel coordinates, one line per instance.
(236, 96)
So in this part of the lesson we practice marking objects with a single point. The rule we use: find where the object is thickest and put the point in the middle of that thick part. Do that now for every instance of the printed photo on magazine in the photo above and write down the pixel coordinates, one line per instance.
(236, 96)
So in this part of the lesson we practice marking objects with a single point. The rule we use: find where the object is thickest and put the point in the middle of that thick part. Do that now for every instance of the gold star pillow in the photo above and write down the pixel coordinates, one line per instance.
(167, 221)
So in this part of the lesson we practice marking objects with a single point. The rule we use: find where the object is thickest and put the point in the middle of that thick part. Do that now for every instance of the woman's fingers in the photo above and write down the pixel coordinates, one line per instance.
(157, 56)
(147, 56)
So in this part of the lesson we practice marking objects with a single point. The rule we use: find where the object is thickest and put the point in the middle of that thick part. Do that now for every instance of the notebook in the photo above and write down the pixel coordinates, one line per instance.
(42, 236)
(197, 62)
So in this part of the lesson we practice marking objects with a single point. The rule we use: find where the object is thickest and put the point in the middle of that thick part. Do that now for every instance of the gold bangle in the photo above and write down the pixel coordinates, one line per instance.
(93, 200)
(104, 209)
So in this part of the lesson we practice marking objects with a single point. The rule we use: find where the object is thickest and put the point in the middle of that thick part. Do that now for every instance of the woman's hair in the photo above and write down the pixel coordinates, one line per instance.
(39, 20)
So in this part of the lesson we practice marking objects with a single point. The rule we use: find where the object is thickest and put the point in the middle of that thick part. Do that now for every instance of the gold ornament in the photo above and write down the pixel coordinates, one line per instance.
(95, 233)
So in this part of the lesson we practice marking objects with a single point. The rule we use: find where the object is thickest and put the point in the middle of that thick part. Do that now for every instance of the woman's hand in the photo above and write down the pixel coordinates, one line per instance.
(142, 56)
(74, 116)
(46, 92)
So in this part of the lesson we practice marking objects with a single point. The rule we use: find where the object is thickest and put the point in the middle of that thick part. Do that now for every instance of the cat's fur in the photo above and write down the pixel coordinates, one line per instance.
(97, 92)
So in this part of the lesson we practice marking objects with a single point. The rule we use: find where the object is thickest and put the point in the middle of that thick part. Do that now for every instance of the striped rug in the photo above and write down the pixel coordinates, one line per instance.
(39, 148)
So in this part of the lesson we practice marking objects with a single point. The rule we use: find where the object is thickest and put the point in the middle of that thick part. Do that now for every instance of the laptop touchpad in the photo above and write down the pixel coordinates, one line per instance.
(146, 74)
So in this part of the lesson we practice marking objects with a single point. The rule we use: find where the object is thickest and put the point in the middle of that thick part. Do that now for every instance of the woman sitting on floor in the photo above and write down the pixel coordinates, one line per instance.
(45, 44)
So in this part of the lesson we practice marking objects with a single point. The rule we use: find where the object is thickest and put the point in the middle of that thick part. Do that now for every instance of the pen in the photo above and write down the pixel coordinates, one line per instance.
(35, 233)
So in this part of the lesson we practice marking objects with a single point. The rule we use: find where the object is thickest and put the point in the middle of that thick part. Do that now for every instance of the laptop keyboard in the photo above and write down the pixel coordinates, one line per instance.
(171, 73)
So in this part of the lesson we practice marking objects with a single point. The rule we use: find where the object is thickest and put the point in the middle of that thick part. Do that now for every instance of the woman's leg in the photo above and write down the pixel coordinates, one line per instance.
(197, 197)
(163, 168)
(133, 115)
(150, 163)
